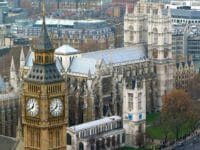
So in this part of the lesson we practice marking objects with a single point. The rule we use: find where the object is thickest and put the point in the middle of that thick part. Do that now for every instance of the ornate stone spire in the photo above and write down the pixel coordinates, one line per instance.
(12, 65)
(43, 43)
(22, 58)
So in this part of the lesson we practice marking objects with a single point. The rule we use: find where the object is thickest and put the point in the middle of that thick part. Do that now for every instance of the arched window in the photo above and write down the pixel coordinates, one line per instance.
(118, 139)
(165, 36)
(131, 37)
(81, 146)
(140, 34)
(69, 139)
(108, 142)
(123, 138)
(155, 36)
(155, 53)
(113, 141)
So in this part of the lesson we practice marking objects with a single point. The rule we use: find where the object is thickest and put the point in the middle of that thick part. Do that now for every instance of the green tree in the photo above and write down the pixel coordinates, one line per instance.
(176, 109)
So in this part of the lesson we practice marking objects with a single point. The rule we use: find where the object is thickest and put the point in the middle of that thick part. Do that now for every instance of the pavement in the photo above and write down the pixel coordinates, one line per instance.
(191, 142)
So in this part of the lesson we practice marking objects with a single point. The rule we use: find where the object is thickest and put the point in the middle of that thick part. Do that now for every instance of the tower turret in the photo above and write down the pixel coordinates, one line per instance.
(13, 75)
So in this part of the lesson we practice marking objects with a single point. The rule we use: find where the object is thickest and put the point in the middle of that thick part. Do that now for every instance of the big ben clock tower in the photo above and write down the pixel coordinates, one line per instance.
(43, 102)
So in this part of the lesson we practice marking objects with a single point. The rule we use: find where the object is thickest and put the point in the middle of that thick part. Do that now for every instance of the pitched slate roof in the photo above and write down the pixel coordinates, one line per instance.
(43, 43)
(183, 13)
(7, 143)
(95, 123)
(88, 61)
(44, 73)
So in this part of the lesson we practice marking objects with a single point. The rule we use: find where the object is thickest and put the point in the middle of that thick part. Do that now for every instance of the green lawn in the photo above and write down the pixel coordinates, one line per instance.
(154, 130)
(130, 148)
(152, 117)
(147, 147)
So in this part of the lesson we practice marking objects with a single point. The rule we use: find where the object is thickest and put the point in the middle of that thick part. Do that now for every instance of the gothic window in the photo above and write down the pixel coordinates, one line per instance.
(123, 138)
(140, 34)
(131, 33)
(165, 36)
(155, 36)
(81, 146)
(113, 141)
(69, 139)
(155, 53)
(148, 10)
(154, 69)
(130, 101)
(139, 101)
(106, 85)
(118, 139)
(165, 53)
(108, 142)
(155, 11)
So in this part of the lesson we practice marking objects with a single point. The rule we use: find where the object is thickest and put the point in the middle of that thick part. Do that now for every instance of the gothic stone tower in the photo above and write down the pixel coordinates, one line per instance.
(134, 112)
(43, 102)
(149, 26)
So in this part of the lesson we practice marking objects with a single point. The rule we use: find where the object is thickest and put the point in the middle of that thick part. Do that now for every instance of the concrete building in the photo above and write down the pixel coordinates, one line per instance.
(179, 41)
(178, 4)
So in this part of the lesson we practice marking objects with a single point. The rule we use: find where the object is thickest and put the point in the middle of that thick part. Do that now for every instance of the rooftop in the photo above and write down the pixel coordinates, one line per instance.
(87, 61)
(187, 14)
(7, 143)
(91, 124)
(66, 49)
(67, 22)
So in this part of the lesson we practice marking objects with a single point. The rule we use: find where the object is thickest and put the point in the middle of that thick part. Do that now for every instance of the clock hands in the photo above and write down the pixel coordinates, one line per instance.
(55, 107)
(31, 107)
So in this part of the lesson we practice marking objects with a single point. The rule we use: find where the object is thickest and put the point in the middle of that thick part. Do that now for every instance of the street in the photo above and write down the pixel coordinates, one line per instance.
(192, 144)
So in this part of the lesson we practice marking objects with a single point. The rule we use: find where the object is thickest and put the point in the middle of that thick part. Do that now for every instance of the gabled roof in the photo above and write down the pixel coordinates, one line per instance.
(88, 61)
(83, 65)
(95, 123)
(118, 55)
(7, 143)
(183, 13)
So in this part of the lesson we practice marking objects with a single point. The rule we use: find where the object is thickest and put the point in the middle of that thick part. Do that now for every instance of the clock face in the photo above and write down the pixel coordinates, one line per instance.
(32, 107)
(56, 107)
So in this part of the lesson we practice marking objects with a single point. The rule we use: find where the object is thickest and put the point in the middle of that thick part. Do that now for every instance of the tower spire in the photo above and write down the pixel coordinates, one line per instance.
(43, 13)
(43, 43)
(12, 66)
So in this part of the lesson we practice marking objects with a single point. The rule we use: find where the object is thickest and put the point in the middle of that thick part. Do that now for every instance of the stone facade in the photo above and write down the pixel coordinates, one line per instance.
(9, 111)
(148, 25)
(9, 104)
(185, 71)
(106, 133)
(99, 84)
